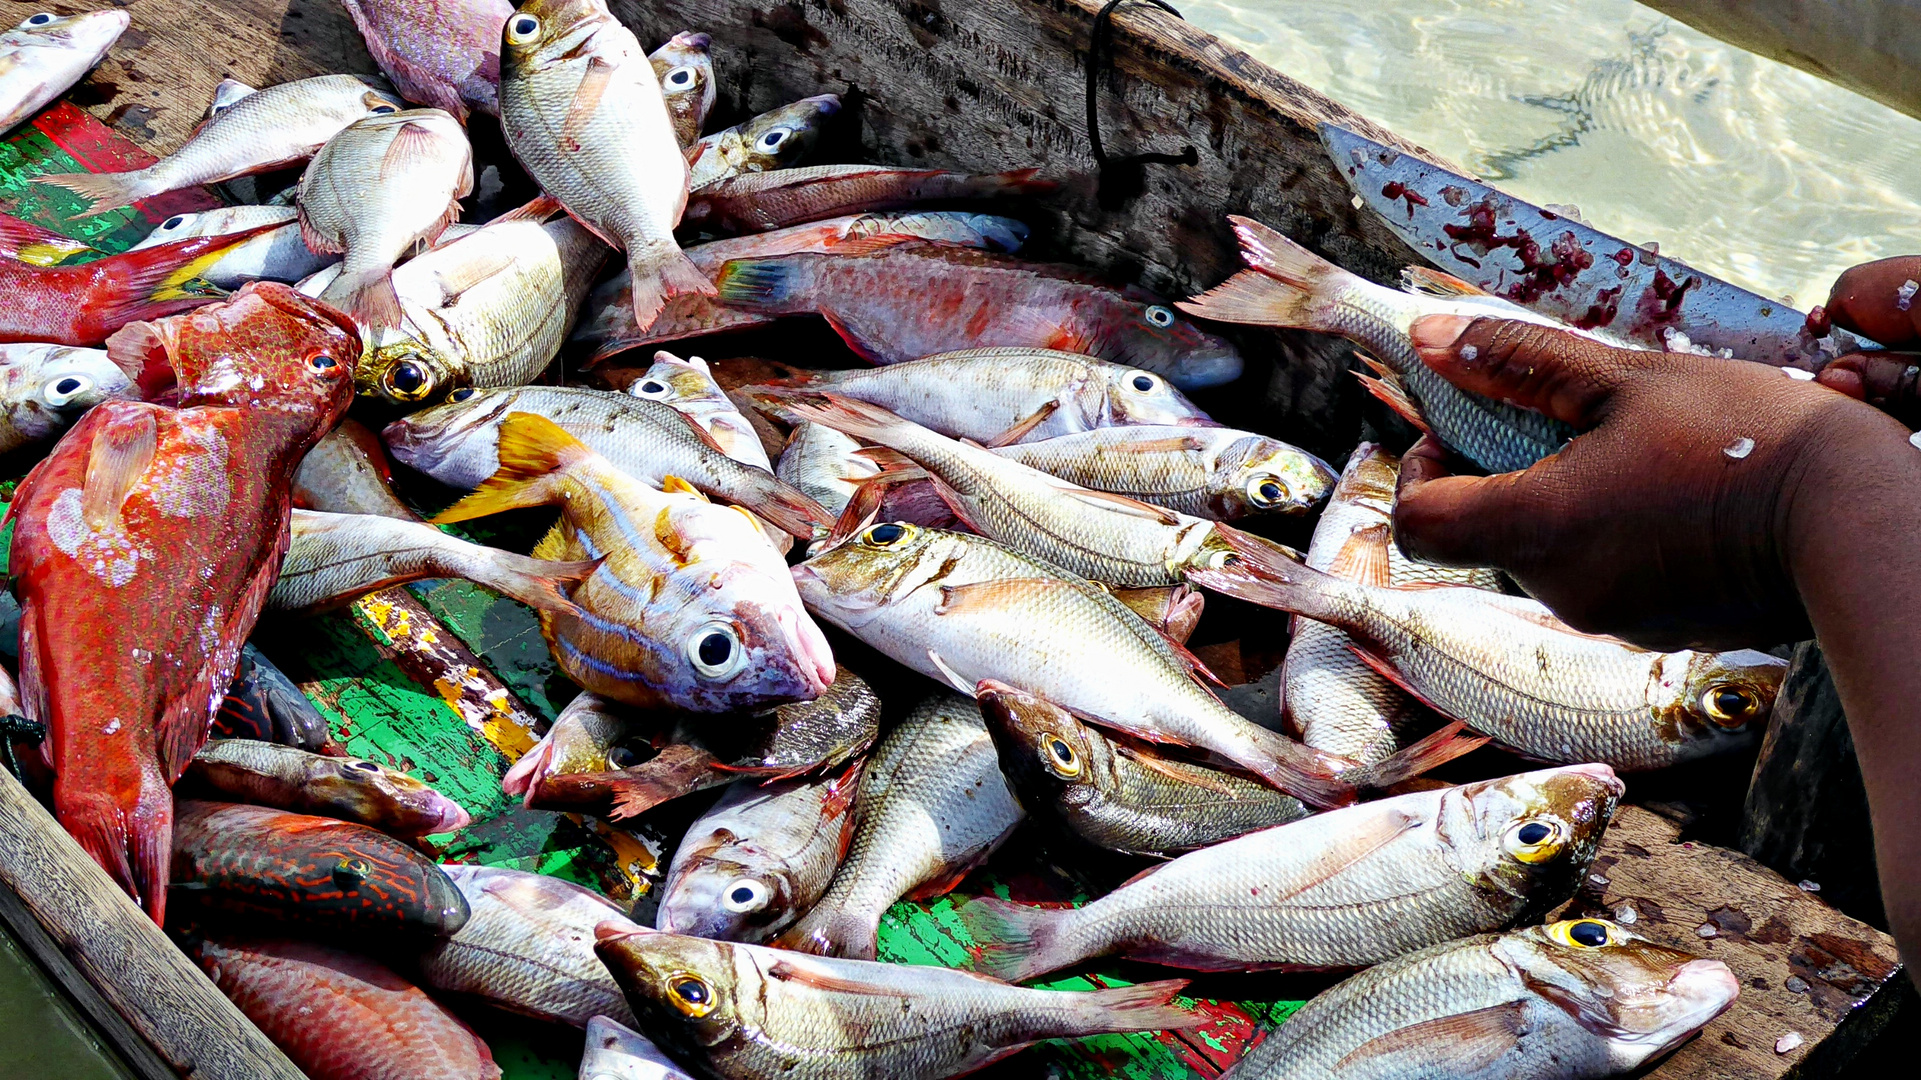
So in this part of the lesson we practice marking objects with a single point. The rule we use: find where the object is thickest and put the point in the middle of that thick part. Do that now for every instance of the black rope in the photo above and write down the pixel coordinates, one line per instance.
(1098, 59)
(14, 726)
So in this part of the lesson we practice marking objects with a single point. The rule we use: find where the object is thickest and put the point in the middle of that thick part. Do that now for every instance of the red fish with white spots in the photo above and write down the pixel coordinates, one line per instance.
(144, 546)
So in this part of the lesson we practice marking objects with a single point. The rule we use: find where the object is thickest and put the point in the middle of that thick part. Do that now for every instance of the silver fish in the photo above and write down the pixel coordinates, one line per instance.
(1342, 889)
(578, 742)
(615, 1052)
(685, 68)
(333, 559)
(280, 255)
(824, 464)
(745, 1012)
(1580, 999)
(582, 111)
(47, 53)
(350, 789)
(267, 129)
(45, 388)
(346, 473)
(225, 93)
(457, 444)
(760, 858)
(932, 806)
(528, 947)
(1214, 473)
(377, 189)
(688, 385)
(777, 139)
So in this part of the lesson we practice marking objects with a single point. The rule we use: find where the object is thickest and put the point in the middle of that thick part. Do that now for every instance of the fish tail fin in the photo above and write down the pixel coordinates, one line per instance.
(835, 930)
(29, 243)
(1259, 571)
(521, 777)
(772, 285)
(534, 454)
(1285, 284)
(1147, 1006)
(1287, 766)
(541, 584)
(100, 828)
(103, 191)
(1019, 941)
(659, 275)
(1429, 753)
(151, 845)
(1027, 181)
(790, 509)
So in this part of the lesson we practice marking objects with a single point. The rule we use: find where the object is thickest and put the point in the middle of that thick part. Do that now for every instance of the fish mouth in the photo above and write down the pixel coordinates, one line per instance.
(1706, 988)
(449, 815)
(813, 658)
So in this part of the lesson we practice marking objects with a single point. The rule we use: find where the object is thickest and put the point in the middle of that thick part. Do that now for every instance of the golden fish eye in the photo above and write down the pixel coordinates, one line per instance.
(691, 995)
(462, 394)
(1266, 491)
(1585, 933)
(1535, 840)
(886, 534)
(522, 29)
(407, 381)
(1062, 761)
(1730, 706)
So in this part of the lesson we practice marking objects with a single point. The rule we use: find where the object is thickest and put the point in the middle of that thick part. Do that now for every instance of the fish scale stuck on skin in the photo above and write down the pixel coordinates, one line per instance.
(47, 53)
(378, 188)
(1512, 671)
(1580, 999)
(916, 299)
(582, 111)
(298, 869)
(444, 54)
(528, 947)
(45, 388)
(457, 444)
(339, 1016)
(932, 806)
(690, 606)
(685, 68)
(350, 789)
(1342, 889)
(776, 139)
(760, 858)
(745, 1012)
(143, 547)
(267, 129)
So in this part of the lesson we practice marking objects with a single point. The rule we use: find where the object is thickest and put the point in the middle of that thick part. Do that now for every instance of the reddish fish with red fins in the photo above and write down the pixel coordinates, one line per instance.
(144, 546)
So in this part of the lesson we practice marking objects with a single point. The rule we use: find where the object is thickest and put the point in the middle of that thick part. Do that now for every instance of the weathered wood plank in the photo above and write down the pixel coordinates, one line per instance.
(1872, 47)
(188, 1022)
(1814, 982)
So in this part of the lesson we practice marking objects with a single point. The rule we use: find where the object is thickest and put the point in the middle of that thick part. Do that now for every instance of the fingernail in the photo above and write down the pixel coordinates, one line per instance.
(1436, 331)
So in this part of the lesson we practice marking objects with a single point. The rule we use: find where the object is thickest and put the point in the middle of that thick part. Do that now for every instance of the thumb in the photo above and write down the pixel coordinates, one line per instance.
(1565, 375)
(1469, 520)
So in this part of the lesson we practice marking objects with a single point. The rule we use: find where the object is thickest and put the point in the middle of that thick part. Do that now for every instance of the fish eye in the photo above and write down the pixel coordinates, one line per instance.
(462, 394)
(521, 29)
(321, 361)
(1062, 761)
(175, 221)
(1585, 933)
(744, 895)
(1144, 382)
(406, 381)
(349, 873)
(691, 995)
(771, 141)
(681, 78)
(1159, 316)
(622, 757)
(886, 534)
(1266, 491)
(1535, 840)
(363, 766)
(63, 390)
(715, 651)
(40, 19)
(650, 388)
(382, 109)
(1730, 706)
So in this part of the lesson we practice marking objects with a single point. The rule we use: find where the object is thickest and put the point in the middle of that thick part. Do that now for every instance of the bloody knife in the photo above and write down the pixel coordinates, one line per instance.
(1563, 269)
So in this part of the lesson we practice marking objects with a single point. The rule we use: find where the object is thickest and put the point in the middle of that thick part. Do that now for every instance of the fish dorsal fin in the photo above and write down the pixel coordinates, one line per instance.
(1363, 556)
(1393, 395)
(1425, 279)
(674, 485)
(1143, 875)
(116, 459)
(791, 972)
(593, 86)
(1024, 425)
(1175, 444)
(1464, 1044)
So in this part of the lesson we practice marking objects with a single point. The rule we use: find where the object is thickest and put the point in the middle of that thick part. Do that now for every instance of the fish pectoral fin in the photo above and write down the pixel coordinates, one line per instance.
(1179, 772)
(884, 456)
(1363, 556)
(1385, 670)
(1354, 846)
(319, 242)
(864, 505)
(1392, 394)
(1024, 425)
(1107, 500)
(455, 281)
(674, 485)
(953, 678)
(539, 208)
(1178, 444)
(119, 455)
(1460, 1045)
(593, 86)
(789, 971)
(994, 595)
(1422, 279)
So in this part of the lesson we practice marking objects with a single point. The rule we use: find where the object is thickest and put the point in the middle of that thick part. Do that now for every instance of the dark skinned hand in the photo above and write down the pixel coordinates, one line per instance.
(1672, 519)
(1878, 300)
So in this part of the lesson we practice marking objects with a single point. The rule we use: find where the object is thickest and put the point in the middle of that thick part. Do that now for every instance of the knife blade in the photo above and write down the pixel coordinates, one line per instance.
(1570, 272)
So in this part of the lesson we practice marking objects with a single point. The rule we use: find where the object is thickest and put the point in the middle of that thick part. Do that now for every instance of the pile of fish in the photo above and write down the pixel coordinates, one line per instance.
(1014, 509)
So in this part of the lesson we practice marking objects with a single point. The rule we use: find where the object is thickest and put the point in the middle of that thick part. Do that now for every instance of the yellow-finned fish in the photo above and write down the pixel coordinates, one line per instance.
(690, 607)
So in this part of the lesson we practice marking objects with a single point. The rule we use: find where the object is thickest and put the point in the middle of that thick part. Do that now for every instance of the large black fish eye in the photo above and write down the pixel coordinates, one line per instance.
(1589, 933)
(1162, 317)
(407, 381)
(320, 361)
(680, 78)
(382, 110)
(175, 221)
(691, 995)
(888, 532)
(715, 648)
(623, 757)
(68, 385)
(363, 766)
(1143, 383)
(522, 29)
(41, 19)
(1533, 833)
(462, 394)
(771, 141)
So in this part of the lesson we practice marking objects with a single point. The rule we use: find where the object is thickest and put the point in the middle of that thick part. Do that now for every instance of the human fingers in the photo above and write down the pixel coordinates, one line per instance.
(1877, 299)
(1552, 371)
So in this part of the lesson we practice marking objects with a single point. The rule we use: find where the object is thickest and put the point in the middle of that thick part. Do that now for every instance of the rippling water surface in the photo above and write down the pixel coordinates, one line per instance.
(1744, 167)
